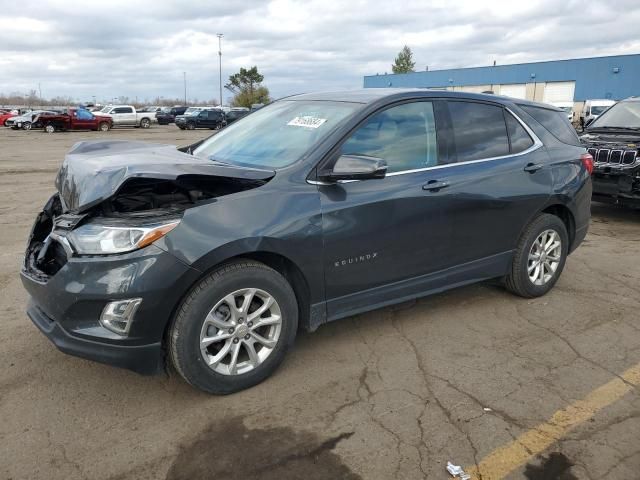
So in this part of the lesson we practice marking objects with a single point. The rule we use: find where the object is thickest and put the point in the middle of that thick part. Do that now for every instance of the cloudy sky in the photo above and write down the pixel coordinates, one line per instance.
(140, 48)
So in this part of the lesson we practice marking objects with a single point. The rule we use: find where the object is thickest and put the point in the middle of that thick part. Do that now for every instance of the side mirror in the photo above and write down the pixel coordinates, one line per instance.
(356, 167)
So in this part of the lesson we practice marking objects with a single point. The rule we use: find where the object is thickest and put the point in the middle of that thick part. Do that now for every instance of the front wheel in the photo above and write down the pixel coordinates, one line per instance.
(49, 128)
(539, 258)
(26, 126)
(191, 126)
(234, 328)
(104, 127)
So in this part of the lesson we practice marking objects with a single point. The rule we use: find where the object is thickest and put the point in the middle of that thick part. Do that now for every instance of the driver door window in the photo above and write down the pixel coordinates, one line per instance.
(404, 136)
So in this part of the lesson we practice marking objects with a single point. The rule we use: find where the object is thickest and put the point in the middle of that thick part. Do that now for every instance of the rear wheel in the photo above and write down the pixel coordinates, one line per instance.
(26, 126)
(145, 123)
(234, 328)
(540, 257)
(49, 128)
(104, 127)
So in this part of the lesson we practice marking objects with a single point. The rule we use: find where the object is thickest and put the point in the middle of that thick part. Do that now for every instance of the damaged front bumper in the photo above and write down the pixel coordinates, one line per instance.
(66, 306)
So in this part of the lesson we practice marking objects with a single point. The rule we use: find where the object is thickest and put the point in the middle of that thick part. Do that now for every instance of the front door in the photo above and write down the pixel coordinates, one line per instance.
(382, 236)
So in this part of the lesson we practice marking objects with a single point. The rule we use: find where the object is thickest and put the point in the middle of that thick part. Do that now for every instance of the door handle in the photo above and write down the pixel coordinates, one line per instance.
(434, 185)
(533, 167)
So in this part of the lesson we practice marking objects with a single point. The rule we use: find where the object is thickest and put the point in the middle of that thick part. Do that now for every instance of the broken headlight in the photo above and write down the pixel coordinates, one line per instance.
(98, 239)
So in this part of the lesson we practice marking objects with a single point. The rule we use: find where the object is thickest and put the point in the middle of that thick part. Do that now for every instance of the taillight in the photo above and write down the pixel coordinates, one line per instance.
(587, 161)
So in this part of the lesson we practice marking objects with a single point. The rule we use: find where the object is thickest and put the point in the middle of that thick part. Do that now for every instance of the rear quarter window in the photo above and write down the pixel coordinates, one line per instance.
(555, 122)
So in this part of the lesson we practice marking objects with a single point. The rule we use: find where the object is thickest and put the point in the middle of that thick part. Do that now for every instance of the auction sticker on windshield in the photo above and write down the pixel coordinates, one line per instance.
(307, 121)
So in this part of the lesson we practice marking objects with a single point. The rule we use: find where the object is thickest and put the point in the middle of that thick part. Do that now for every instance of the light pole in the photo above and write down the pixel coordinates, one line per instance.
(220, 35)
(184, 75)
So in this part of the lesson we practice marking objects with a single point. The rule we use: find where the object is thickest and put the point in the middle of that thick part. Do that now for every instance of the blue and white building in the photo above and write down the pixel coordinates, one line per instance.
(558, 81)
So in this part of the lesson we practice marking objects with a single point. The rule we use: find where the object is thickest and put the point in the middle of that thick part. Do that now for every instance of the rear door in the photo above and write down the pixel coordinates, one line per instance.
(214, 118)
(497, 178)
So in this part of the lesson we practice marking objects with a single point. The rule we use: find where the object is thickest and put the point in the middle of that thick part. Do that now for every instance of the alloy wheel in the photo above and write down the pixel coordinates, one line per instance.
(544, 257)
(240, 331)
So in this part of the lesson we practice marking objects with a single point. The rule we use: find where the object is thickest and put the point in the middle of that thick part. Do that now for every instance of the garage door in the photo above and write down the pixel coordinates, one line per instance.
(514, 90)
(474, 88)
(559, 92)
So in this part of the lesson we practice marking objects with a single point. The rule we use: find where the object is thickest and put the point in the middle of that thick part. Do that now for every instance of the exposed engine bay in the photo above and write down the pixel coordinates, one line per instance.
(138, 201)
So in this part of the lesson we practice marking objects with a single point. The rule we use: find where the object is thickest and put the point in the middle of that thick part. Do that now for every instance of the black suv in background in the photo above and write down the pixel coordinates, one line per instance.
(168, 114)
(212, 118)
(313, 208)
(613, 139)
(236, 114)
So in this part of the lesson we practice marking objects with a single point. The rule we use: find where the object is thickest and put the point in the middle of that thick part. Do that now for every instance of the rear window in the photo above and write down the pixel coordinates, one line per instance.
(556, 122)
(520, 139)
(479, 130)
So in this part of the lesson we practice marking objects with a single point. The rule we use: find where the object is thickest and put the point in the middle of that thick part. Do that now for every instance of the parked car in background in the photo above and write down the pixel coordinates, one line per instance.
(592, 109)
(127, 116)
(76, 119)
(565, 107)
(212, 118)
(236, 113)
(150, 109)
(613, 139)
(256, 106)
(178, 110)
(165, 117)
(28, 120)
(169, 114)
(6, 114)
(315, 208)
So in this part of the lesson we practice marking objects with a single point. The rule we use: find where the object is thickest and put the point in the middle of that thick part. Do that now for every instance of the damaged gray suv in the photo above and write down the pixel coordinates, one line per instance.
(314, 208)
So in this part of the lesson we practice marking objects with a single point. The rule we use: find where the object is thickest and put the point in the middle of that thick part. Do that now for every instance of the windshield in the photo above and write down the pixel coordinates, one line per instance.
(597, 110)
(622, 114)
(191, 110)
(277, 135)
(566, 109)
(106, 109)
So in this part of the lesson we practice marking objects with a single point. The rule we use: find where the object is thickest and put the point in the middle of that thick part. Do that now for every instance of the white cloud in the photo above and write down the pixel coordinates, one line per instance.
(114, 48)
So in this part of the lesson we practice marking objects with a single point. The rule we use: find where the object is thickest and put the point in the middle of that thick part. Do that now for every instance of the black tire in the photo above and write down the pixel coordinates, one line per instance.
(49, 128)
(104, 127)
(26, 126)
(191, 126)
(518, 281)
(145, 123)
(184, 334)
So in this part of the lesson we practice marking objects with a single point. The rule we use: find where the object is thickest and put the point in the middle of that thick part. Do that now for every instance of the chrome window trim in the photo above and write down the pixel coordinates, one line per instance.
(537, 143)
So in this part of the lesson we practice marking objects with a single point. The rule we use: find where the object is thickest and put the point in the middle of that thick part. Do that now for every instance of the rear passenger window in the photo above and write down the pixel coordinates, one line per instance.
(556, 122)
(403, 136)
(520, 139)
(479, 130)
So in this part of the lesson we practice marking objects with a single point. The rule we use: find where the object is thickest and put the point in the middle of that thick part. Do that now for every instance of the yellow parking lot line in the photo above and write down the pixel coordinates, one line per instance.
(507, 458)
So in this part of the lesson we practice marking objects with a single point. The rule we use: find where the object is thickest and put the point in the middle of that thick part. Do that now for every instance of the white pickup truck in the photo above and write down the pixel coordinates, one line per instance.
(126, 116)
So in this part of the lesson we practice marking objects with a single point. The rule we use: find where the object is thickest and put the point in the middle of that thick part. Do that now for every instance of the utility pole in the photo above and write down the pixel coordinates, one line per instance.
(220, 35)
(184, 74)
(40, 92)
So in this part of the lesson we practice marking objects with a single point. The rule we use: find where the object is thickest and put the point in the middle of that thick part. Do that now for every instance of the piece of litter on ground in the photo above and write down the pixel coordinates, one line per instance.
(487, 409)
(457, 471)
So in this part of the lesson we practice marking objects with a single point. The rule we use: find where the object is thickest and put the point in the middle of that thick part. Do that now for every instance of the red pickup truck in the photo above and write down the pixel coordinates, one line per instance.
(77, 119)
(4, 115)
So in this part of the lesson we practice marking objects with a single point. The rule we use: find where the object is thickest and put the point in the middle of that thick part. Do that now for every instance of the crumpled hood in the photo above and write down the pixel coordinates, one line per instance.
(93, 171)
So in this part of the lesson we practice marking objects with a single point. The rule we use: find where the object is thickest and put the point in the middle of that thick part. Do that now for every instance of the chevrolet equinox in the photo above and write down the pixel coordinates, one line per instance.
(210, 257)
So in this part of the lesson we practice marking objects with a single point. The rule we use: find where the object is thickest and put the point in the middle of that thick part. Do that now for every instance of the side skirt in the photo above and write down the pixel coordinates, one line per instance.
(402, 291)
